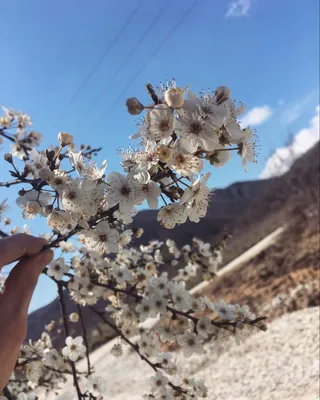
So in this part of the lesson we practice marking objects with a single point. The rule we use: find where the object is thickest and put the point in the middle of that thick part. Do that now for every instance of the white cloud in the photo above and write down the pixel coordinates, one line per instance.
(238, 8)
(256, 116)
(294, 111)
(282, 159)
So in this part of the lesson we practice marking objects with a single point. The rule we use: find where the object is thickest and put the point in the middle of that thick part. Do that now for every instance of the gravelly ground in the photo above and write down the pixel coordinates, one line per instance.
(282, 363)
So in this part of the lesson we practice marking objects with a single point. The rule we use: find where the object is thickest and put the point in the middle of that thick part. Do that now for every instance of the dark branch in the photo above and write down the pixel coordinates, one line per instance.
(85, 338)
(66, 330)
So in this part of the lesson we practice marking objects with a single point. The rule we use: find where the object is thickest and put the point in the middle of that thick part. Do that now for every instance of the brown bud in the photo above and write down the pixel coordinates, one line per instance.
(65, 138)
(173, 190)
(8, 158)
(48, 209)
(134, 106)
(262, 326)
(222, 94)
(22, 192)
(74, 317)
(137, 232)
(50, 154)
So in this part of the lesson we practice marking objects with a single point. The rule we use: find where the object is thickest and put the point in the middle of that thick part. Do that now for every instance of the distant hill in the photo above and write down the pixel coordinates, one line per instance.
(249, 210)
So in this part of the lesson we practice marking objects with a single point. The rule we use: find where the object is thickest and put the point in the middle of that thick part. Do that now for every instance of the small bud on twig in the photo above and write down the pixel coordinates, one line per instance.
(65, 139)
(134, 106)
(8, 158)
(222, 94)
(137, 232)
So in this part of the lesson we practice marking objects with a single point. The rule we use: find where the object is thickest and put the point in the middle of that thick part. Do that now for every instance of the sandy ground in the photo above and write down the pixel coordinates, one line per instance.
(282, 363)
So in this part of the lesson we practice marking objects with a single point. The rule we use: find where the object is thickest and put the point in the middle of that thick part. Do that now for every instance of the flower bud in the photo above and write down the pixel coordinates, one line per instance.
(262, 326)
(8, 158)
(137, 232)
(134, 106)
(50, 154)
(33, 207)
(222, 94)
(21, 192)
(7, 221)
(164, 153)
(59, 219)
(116, 350)
(174, 97)
(65, 139)
(48, 209)
(74, 317)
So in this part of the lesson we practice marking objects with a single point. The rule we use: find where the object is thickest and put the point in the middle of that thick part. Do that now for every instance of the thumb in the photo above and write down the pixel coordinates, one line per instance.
(22, 281)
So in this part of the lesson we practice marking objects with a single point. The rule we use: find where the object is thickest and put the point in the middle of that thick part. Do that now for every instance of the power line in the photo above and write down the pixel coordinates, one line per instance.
(124, 63)
(105, 53)
(176, 26)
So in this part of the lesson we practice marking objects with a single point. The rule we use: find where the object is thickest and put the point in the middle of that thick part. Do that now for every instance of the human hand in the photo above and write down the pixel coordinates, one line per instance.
(16, 295)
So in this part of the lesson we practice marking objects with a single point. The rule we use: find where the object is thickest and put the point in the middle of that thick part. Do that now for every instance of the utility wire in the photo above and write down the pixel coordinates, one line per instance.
(105, 53)
(125, 61)
(176, 26)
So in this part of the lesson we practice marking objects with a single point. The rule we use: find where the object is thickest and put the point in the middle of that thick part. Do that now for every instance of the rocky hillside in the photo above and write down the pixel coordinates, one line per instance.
(250, 210)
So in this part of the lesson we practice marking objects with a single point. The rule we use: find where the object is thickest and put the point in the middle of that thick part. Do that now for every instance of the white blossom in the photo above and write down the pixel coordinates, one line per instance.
(33, 202)
(121, 274)
(191, 343)
(125, 191)
(183, 162)
(34, 371)
(102, 238)
(171, 215)
(74, 348)
(3, 208)
(174, 97)
(195, 132)
(225, 311)
(26, 396)
(60, 220)
(247, 147)
(160, 122)
(197, 198)
(96, 385)
(204, 327)
(38, 163)
(57, 269)
(116, 350)
(159, 383)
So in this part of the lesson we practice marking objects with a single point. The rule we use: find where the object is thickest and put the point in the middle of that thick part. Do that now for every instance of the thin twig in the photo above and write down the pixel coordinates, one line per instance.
(135, 347)
(66, 329)
(85, 338)
(7, 393)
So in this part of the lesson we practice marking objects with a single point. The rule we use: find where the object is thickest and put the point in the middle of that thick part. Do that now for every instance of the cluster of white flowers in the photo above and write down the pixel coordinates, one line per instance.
(177, 135)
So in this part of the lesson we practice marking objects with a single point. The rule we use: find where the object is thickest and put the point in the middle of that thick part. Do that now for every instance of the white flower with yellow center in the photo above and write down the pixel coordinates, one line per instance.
(171, 215)
(33, 202)
(247, 147)
(183, 162)
(57, 269)
(160, 122)
(102, 238)
(191, 343)
(196, 133)
(196, 198)
(124, 190)
(74, 348)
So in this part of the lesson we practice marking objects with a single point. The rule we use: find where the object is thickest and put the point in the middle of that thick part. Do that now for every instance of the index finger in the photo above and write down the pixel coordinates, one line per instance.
(16, 246)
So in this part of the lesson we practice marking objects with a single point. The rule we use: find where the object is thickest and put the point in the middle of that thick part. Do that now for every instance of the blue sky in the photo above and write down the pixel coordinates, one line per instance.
(266, 51)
